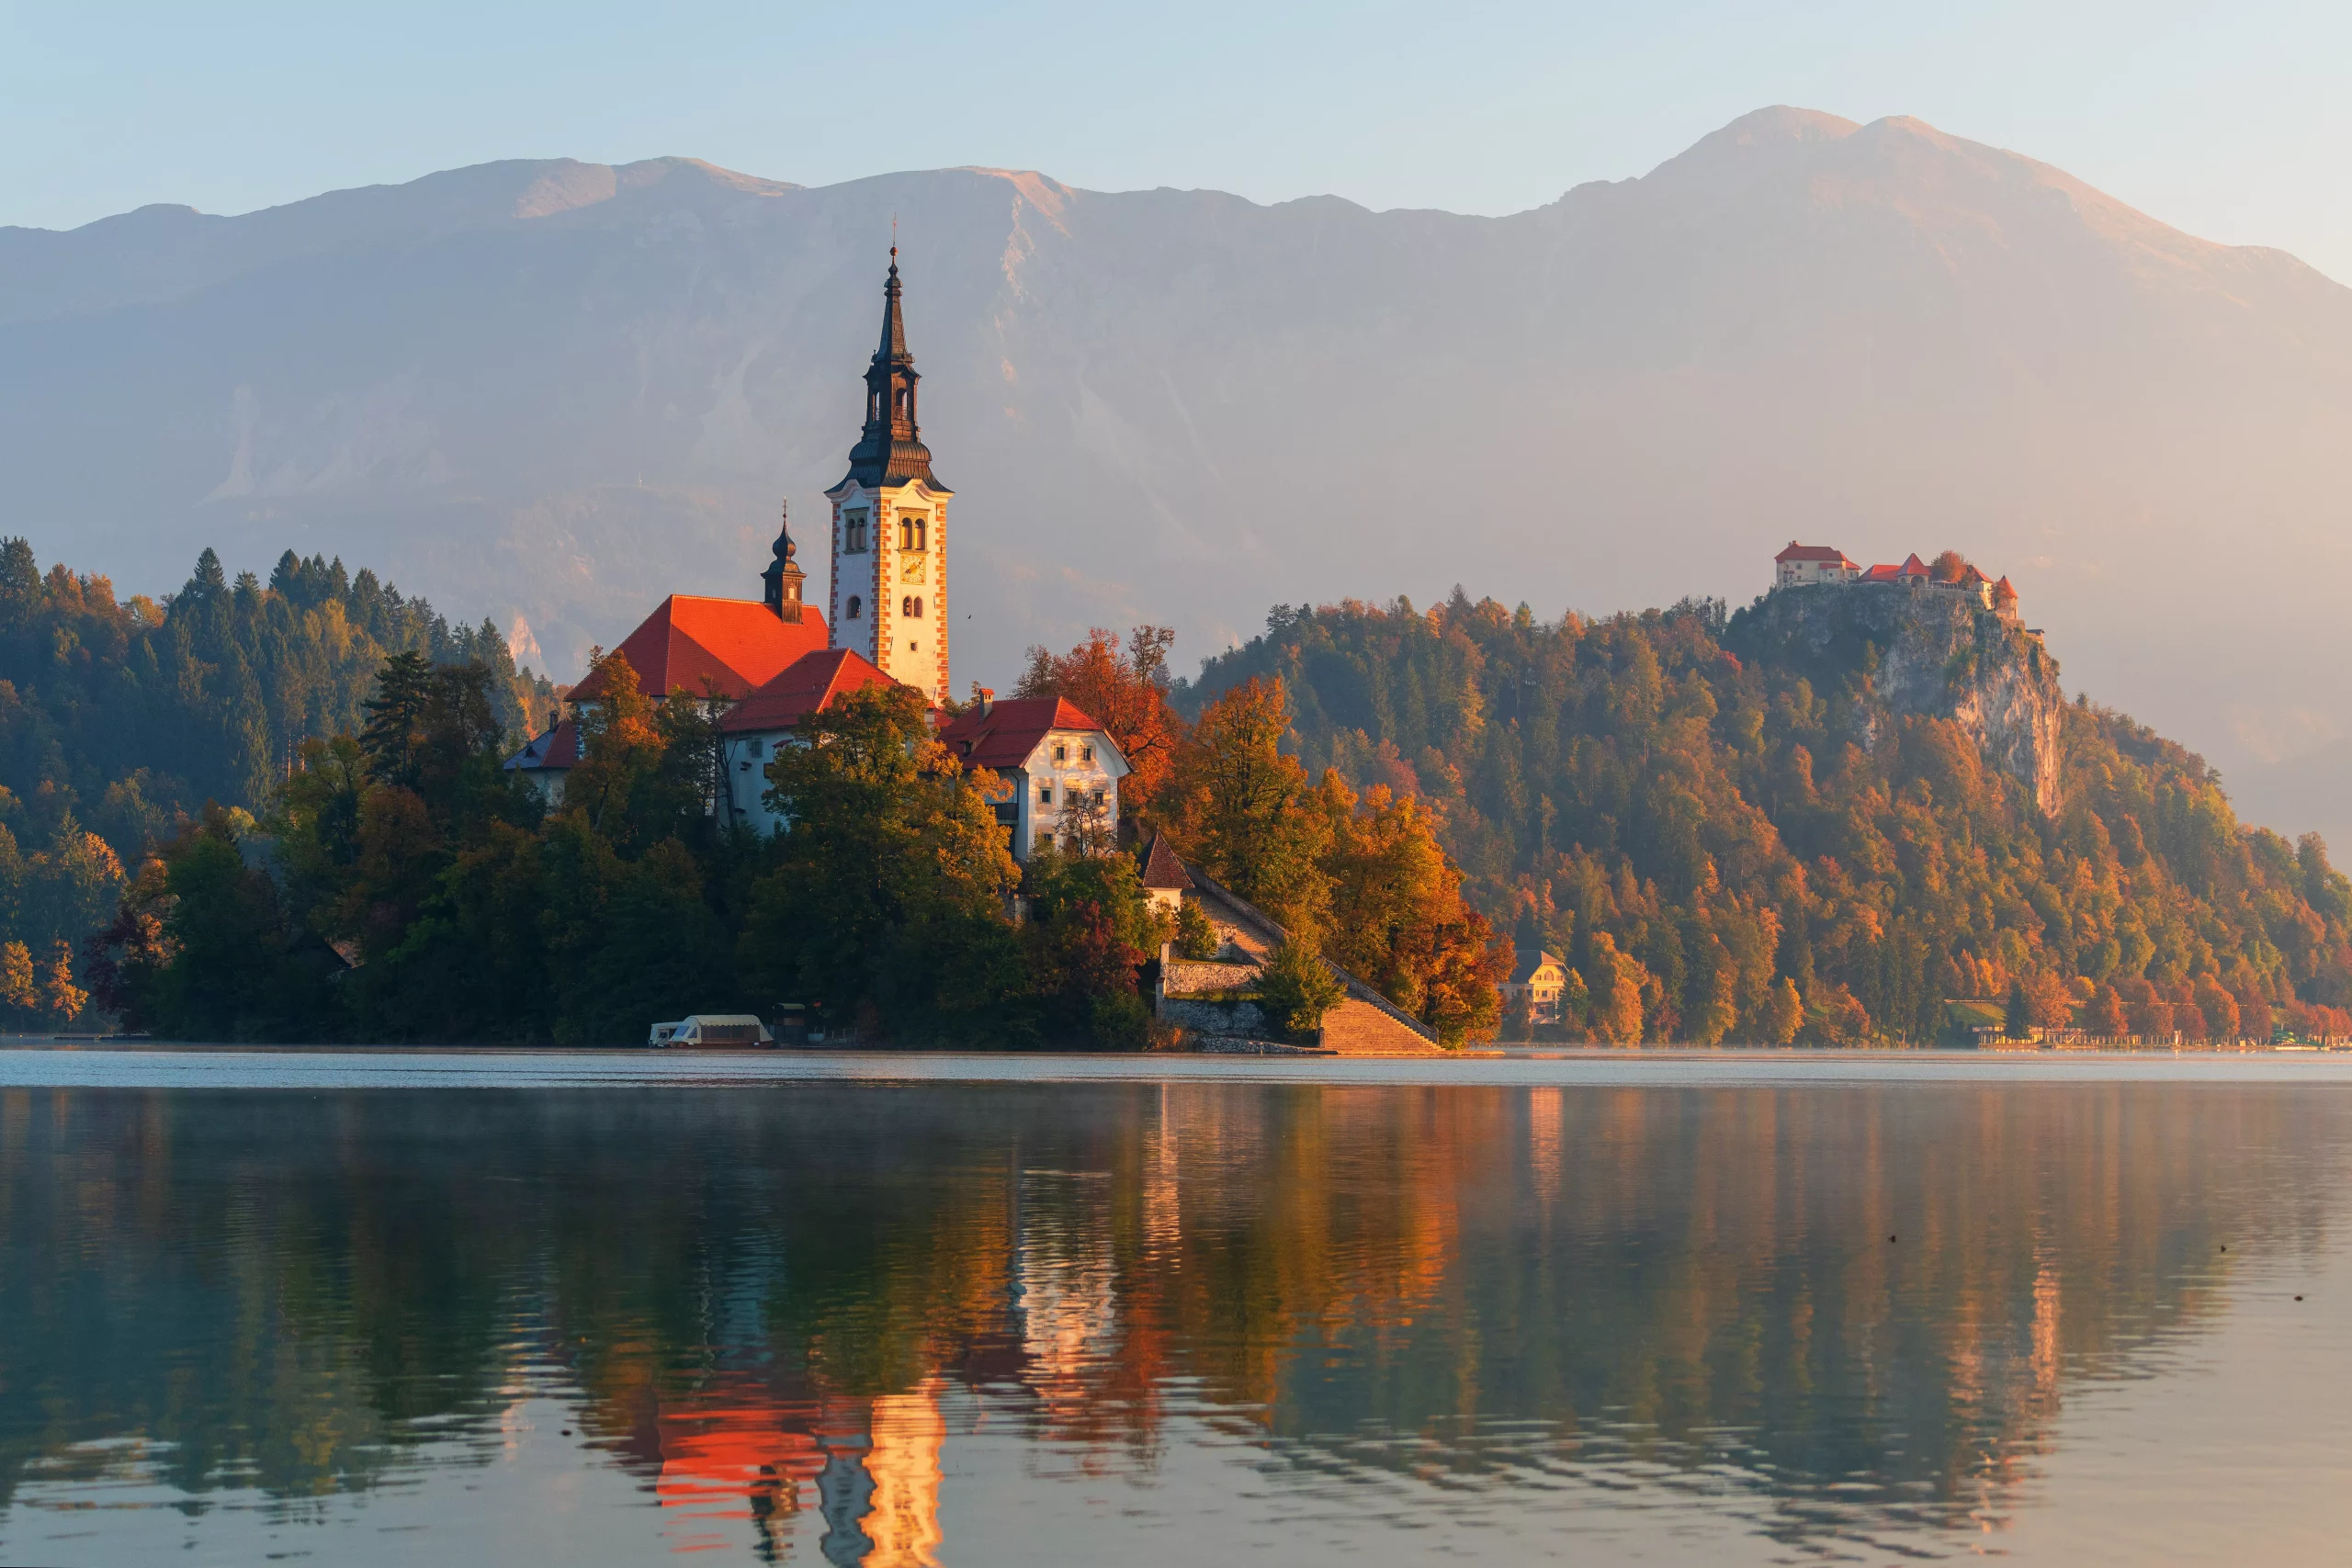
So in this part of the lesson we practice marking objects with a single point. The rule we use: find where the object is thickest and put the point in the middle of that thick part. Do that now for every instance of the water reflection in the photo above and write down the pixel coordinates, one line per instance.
(1858, 1314)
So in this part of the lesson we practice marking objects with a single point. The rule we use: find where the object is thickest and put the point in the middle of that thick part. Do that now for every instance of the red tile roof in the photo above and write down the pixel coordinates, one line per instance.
(559, 748)
(805, 685)
(1005, 735)
(1813, 552)
(1162, 868)
(1912, 567)
(730, 646)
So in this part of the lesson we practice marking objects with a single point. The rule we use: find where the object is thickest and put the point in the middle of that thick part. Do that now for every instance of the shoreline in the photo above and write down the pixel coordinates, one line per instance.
(143, 1066)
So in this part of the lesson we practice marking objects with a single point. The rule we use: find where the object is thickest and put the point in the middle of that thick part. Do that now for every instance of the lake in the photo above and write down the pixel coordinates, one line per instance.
(606, 1308)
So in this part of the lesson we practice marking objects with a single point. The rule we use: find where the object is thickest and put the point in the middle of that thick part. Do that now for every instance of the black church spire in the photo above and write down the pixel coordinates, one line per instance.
(889, 451)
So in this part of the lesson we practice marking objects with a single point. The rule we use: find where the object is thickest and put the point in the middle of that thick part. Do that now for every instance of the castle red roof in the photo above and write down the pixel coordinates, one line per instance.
(1004, 735)
(1813, 552)
(1912, 567)
(805, 685)
(730, 646)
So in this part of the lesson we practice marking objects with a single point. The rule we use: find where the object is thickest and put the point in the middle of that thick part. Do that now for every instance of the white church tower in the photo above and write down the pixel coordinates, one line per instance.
(889, 589)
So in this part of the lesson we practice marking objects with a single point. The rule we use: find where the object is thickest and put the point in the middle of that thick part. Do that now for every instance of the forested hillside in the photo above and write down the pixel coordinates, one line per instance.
(120, 720)
(1732, 831)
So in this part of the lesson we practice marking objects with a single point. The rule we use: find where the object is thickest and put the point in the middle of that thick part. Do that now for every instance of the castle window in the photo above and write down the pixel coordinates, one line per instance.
(852, 533)
(849, 609)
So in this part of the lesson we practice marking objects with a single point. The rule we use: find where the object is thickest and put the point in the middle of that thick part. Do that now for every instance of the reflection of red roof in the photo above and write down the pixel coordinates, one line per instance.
(1813, 552)
(730, 646)
(559, 748)
(1005, 735)
(805, 685)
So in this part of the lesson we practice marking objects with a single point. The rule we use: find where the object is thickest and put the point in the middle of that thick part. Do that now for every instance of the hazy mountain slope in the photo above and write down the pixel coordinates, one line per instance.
(551, 392)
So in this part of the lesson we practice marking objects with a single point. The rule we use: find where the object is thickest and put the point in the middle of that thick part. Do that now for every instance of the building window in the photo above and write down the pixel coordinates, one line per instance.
(852, 533)
(913, 526)
(1045, 794)
(911, 607)
(1086, 753)
(1061, 752)
(758, 746)
(849, 609)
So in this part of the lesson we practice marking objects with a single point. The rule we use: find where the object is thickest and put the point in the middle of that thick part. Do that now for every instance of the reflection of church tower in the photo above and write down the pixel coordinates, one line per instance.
(889, 587)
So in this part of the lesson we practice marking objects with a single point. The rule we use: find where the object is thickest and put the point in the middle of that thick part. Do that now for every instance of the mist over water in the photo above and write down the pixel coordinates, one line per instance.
(1175, 1322)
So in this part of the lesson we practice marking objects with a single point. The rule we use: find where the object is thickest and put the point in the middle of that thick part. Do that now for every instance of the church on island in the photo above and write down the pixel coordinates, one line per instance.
(772, 661)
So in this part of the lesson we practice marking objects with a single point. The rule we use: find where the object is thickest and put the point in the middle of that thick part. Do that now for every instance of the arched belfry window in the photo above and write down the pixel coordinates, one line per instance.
(912, 527)
(849, 609)
(911, 607)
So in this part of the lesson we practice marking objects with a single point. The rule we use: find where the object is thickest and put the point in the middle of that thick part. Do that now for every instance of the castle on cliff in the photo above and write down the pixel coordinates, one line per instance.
(1806, 566)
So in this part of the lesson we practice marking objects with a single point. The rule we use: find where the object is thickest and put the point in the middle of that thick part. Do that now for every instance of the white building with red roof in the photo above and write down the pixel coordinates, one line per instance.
(1060, 770)
(753, 730)
(1801, 566)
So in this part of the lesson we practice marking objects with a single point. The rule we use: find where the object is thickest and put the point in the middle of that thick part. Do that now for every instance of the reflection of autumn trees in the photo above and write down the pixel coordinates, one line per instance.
(776, 1306)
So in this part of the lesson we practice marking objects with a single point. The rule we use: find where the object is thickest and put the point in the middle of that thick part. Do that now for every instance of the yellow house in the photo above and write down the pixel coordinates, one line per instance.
(1539, 977)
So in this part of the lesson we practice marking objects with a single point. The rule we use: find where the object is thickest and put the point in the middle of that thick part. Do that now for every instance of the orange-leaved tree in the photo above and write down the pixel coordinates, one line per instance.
(1399, 920)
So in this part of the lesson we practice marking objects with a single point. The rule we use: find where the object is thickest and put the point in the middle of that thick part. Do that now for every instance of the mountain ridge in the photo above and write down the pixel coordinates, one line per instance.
(1181, 406)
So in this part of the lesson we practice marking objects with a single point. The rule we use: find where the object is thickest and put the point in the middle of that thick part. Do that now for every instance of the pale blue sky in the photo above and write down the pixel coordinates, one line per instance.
(2234, 122)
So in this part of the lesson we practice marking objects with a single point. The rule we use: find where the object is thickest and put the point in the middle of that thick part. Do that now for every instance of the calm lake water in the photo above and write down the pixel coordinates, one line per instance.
(1696, 1311)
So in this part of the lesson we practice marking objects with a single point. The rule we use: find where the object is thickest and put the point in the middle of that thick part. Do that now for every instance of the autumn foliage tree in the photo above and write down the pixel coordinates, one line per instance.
(1360, 878)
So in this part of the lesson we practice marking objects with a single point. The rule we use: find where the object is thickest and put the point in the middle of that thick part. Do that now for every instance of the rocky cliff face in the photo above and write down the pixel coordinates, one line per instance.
(1925, 652)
